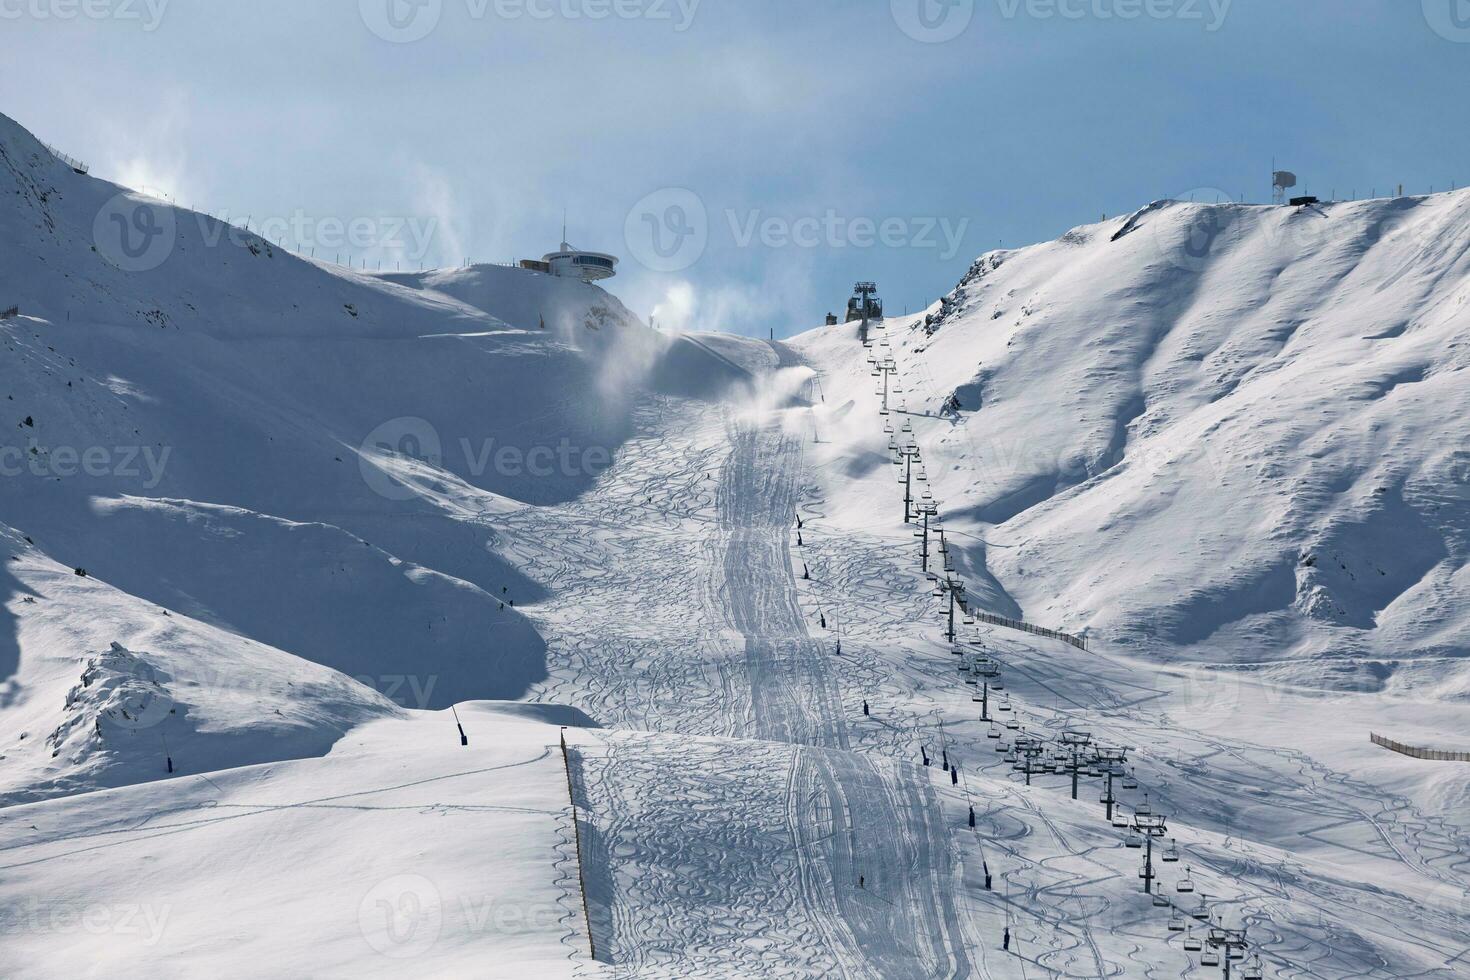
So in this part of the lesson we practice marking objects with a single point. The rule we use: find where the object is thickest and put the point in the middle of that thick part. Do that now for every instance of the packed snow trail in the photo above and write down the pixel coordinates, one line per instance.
(849, 856)
(793, 696)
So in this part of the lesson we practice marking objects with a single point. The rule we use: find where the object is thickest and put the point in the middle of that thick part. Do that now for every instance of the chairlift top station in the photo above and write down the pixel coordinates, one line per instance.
(864, 304)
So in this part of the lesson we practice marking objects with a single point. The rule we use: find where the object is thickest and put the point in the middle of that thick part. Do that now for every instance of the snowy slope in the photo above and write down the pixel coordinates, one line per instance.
(1226, 433)
(314, 549)
(291, 457)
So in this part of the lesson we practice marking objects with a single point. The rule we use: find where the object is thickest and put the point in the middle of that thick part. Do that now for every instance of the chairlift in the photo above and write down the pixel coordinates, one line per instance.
(1005, 705)
(1134, 842)
(994, 731)
(1160, 902)
(1209, 958)
(997, 685)
(1002, 747)
(1012, 724)
(1010, 757)
(1176, 921)
(1253, 969)
(1130, 781)
(1120, 821)
(1192, 943)
(1186, 884)
(1171, 856)
(1143, 809)
(1202, 913)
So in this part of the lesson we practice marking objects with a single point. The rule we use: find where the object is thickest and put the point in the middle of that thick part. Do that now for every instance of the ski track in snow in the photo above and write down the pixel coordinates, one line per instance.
(857, 880)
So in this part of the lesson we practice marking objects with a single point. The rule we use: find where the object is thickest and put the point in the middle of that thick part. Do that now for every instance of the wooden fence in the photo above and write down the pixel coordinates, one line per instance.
(71, 162)
(1079, 642)
(566, 760)
(1434, 755)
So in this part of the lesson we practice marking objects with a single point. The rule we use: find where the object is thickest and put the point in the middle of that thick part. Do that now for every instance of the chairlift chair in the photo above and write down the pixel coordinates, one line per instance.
(1192, 943)
(1186, 884)
(1130, 781)
(994, 731)
(1120, 821)
(1202, 912)
(1171, 856)
(1133, 841)
(1176, 921)
(1209, 958)
(1143, 809)
(1160, 902)
(1253, 969)
(1002, 747)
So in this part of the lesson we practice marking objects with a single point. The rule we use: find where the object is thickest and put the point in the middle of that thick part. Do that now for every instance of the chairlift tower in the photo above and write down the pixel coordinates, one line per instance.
(1230, 942)
(1150, 825)
(886, 368)
(926, 509)
(907, 455)
(956, 589)
(1075, 742)
(1111, 760)
(987, 670)
(1030, 749)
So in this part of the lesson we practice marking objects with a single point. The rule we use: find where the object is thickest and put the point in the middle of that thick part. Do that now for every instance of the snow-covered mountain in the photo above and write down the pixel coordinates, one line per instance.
(359, 625)
(1226, 433)
(276, 454)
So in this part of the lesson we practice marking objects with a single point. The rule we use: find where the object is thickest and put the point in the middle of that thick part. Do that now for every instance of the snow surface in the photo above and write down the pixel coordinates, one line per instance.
(288, 608)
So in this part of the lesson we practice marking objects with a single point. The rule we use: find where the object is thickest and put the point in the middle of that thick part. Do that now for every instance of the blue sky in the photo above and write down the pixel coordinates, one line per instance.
(747, 159)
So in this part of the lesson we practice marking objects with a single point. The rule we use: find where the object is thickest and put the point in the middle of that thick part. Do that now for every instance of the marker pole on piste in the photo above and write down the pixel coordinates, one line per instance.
(463, 738)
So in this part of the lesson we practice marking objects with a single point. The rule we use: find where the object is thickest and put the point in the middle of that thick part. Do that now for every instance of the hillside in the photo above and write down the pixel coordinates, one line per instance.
(1223, 433)
(357, 625)
(285, 458)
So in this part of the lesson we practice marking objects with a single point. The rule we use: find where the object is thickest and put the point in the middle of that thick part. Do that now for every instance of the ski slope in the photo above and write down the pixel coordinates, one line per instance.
(701, 670)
